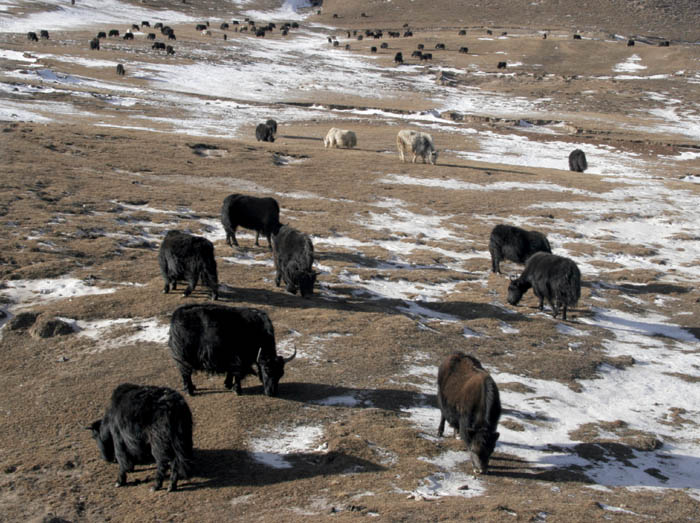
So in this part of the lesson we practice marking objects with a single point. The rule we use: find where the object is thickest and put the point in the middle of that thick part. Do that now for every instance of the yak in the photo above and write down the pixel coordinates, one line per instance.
(190, 258)
(512, 243)
(145, 424)
(577, 161)
(260, 214)
(554, 278)
(225, 340)
(469, 401)
(264, 133)
(32, 37)
(293, 254)
(418, 143)
(95, 44)
(120, 70)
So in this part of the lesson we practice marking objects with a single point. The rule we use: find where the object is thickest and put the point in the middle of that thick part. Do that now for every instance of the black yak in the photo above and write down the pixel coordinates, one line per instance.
(398, 58)
(293, 254)
(225, 340)
(577, 161)
(190, 258)
(114, 32)
(259, 214)
(512, 243)
(502, 65)
(469, 401)
(44, 34)
(95, 44)
(264, 133)
(464, 50)
(144, 424)
(440, 46)
(128, 36)
(120, 70)
(32, 37)
(101, 34)
(554, 278)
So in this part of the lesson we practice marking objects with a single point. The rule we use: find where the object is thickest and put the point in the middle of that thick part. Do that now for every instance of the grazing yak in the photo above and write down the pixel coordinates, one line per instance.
(101, 34)
(32, 37)
(225, 340)
(293, 254)
(469, 401)
(512, 243)
(427, 56)
(398, 58)
(95, 44)
(554, 278)
(44, 34)
(114, 32)
(146, 424)
(259, 214)
(502, 65)
(264, 133)
(577, 161)
(190, 258)
(120, 70)
(340, 138)
(418, 143)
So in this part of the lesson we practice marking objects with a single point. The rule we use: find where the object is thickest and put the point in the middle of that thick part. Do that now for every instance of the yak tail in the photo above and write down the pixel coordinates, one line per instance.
(182, 443)
(491, 407)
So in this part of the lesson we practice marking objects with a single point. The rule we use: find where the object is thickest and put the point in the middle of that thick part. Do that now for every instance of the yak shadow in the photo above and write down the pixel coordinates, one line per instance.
(290, 137)
(394, 400)
(360, 260)
(362, 300)
(649, 288)
(487, 170)
(219, 468)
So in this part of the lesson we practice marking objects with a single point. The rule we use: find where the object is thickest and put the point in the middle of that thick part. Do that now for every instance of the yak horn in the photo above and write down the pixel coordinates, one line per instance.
(257, 360)
(287, 360)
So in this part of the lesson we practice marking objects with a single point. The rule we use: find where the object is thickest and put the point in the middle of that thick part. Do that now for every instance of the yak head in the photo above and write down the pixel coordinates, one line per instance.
(482, 443)
(433, 156)
(516, 289)
(272, 370)
(306, 281)
(103, 437)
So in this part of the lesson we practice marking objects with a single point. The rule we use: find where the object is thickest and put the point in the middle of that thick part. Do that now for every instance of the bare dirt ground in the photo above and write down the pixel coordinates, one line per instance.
(92, 203)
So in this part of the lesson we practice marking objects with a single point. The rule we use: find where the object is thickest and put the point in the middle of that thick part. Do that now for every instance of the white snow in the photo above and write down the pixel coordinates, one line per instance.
(272, 451)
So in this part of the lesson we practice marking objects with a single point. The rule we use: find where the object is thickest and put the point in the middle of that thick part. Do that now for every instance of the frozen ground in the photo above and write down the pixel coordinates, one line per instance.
(648, 213)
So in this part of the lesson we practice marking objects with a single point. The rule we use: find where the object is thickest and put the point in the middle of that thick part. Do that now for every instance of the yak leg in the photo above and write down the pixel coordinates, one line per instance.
(188, 385)
(173, 477)
(166, 288)
(233, 236)
(228, 382)
(278, 277)
(496, 264)
(563, 312)
(237, 386)
(541, 297)
(414, 158)
(269, 242)
(257, 235)
(122, 456)
(161, 469)
(191, 284)
(441, 426)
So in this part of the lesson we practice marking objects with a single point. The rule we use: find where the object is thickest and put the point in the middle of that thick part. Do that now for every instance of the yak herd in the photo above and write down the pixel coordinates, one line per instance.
(146, 424)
